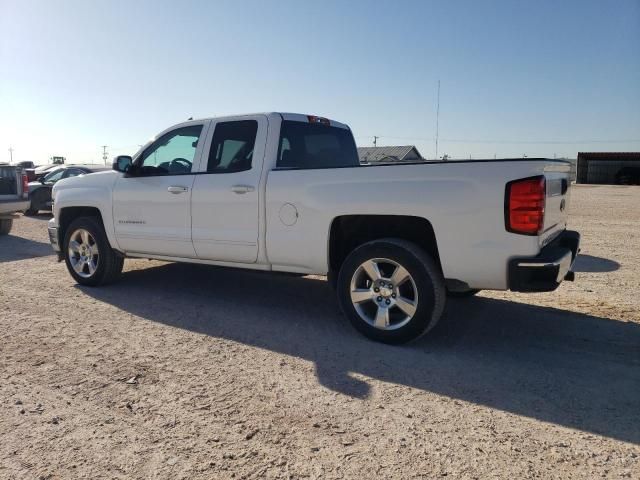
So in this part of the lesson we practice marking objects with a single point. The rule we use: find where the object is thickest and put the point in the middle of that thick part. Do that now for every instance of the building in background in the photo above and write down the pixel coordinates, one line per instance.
(400, 154)
(610, 168)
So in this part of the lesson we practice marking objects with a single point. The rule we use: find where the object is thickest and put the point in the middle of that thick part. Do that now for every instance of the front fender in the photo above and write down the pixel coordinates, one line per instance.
(87, 195)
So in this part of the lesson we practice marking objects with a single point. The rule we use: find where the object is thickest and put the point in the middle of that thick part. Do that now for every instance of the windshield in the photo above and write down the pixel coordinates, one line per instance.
(54, 175)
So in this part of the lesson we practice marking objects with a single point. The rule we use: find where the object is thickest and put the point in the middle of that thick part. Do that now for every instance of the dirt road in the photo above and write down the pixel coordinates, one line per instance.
(183, 371)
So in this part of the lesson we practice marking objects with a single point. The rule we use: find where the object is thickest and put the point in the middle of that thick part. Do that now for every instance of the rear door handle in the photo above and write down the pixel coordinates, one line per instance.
(242, 188)
(177, 189)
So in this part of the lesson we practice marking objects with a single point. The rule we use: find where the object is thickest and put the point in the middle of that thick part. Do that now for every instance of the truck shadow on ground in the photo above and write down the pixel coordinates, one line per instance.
(591, 264)
(14, 248)
(553, 365)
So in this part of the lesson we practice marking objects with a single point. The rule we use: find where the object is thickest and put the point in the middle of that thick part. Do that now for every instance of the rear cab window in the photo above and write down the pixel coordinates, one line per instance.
(314, 145)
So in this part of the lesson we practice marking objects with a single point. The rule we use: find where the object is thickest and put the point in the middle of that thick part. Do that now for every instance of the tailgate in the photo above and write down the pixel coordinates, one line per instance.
(558, 183)
(10, 183)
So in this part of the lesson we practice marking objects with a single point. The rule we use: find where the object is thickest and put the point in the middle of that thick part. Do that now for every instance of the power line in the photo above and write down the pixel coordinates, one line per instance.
(541, 142)
(532, 142)
(123, 147)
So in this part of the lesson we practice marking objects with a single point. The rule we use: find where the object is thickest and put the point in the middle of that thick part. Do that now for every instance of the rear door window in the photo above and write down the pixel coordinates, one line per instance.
(232, 146)
(310, 145)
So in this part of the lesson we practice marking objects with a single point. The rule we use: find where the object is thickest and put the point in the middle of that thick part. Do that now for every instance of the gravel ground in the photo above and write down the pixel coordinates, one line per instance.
(183, 371)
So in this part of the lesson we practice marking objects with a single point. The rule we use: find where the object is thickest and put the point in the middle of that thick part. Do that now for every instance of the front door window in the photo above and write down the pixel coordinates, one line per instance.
(171, 154)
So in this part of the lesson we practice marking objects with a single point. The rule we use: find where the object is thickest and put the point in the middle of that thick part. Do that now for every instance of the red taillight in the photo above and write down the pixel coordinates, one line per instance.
(524, 209)
(25, 185)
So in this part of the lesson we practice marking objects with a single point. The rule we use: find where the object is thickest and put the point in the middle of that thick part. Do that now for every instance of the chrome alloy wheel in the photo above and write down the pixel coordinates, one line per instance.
(83, 253)
(384, 294)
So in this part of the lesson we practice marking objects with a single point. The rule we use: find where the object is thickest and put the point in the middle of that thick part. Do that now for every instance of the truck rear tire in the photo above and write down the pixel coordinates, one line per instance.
(391, 290)
(89, 258)
(5, 226)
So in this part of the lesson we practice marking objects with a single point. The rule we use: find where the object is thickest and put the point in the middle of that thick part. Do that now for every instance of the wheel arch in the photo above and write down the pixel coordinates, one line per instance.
(348, 232)
(67, 215)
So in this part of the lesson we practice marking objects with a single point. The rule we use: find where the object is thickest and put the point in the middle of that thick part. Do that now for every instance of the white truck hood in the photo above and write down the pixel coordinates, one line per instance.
(104, 179)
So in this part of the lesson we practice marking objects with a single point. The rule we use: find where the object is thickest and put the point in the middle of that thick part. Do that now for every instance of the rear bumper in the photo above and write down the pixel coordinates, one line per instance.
(545, 272)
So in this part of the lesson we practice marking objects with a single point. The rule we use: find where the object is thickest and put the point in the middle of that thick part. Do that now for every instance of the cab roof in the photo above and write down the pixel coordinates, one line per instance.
(295, 117)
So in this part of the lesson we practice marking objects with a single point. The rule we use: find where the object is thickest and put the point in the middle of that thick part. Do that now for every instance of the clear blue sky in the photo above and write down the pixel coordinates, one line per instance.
(518, 77)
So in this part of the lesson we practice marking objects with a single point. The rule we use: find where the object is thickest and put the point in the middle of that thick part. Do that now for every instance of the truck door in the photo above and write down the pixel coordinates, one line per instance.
(152, 207)
(226, 194)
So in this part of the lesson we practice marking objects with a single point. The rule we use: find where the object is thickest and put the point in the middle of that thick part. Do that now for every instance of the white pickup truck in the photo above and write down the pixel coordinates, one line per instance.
(286, 192)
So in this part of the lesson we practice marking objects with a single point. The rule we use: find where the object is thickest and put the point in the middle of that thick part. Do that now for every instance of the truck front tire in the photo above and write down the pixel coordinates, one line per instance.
(391, 290)
(89, 258)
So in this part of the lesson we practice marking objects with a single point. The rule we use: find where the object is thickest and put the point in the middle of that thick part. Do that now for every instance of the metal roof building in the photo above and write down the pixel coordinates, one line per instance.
(612, 168)
(398, 154)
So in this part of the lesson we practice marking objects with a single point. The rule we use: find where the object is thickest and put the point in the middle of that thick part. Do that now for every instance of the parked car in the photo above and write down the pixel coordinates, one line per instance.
(40, 190)
(286, 192)
(36, 173)
(13, 196)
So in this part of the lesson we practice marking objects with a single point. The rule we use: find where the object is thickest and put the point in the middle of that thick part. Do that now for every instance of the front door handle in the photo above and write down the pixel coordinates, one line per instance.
(177, 189)
(242, 188)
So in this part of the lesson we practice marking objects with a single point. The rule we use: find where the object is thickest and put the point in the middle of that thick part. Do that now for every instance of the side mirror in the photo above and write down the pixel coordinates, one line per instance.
(122, 163)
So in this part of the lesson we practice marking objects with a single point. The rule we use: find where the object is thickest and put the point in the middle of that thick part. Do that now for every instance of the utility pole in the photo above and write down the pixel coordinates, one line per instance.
(104, 153)
(438, 119)
(10, 155)
(375, 140)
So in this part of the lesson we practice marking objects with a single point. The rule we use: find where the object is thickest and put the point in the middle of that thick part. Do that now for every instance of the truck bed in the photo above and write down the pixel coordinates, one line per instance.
(464, 201)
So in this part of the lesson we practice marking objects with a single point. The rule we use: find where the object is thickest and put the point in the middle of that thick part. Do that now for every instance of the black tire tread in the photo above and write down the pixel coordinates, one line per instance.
(5, 226)
(440, 290)
(112, 262)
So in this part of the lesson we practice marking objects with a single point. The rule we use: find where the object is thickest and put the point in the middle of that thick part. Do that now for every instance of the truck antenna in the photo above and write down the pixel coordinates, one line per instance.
(437, 119)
